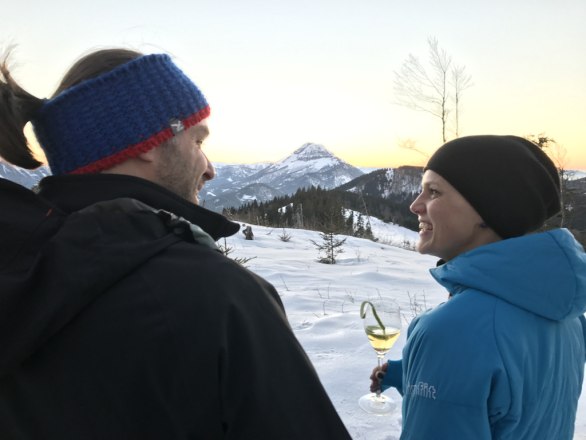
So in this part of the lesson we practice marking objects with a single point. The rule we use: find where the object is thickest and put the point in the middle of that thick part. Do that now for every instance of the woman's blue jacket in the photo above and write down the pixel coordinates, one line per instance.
(504, 357)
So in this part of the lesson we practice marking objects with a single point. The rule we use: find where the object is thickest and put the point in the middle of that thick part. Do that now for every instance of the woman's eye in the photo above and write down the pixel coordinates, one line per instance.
(433, 193)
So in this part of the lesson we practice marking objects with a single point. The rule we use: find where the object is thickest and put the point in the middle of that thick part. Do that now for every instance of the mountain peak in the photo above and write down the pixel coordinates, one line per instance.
(311, 151)
(24, 177)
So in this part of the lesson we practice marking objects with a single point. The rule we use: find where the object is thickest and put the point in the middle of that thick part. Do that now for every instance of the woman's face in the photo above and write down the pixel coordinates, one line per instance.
(448, 224)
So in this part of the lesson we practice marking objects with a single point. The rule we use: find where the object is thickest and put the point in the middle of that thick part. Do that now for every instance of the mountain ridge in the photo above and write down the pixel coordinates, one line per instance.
(309, 165)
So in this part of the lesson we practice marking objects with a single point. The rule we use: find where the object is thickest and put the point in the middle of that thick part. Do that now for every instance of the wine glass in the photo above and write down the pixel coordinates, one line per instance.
(382, 323)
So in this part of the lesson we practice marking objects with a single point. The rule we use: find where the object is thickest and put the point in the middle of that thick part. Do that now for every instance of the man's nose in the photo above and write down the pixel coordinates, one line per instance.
(210, 172)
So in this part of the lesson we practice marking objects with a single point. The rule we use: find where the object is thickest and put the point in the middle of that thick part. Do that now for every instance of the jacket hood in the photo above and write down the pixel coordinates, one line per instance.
(54, 264)
(544, 273)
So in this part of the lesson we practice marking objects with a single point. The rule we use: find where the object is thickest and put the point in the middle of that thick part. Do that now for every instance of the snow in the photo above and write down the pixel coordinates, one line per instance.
(294, 164)
(576, 174)
(392, 234)
(306, 159)
(322, 303)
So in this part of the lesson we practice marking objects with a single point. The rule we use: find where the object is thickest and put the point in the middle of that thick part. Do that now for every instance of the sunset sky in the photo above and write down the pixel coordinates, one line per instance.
(279, 74)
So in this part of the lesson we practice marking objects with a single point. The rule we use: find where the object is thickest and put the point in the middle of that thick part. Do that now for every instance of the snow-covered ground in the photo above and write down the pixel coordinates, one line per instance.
(322, 303)
(576, 174)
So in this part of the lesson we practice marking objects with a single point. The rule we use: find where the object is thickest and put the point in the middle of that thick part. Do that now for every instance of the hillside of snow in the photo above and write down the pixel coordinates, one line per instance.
(322, 303)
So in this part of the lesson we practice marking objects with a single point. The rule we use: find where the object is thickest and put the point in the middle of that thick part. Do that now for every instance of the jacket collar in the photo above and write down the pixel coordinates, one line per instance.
(72, 193)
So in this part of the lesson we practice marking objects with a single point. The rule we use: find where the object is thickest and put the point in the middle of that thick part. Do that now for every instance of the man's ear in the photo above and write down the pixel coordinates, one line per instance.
(150, 155)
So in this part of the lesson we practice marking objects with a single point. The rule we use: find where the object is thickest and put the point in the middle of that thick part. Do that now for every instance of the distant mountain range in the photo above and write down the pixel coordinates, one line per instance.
(236, 184)
(309, 165)
(28, 178)
(387, 182)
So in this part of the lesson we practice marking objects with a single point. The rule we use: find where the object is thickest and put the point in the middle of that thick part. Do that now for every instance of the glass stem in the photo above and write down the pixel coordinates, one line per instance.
(380, 361)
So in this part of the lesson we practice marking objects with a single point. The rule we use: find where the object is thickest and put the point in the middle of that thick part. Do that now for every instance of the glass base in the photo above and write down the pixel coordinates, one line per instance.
(378, 405)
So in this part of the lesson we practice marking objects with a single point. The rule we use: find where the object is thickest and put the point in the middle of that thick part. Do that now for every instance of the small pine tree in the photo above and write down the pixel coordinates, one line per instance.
(359, 228)
(227, 250)
(330, 246)
(285, 236)
(368, 232)
(350, 221)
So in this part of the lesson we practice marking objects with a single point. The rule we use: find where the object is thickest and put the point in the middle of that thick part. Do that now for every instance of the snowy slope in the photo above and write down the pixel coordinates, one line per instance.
(322, 303)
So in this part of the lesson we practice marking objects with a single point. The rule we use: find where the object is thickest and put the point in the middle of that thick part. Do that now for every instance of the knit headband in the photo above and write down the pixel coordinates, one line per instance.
(127, 111)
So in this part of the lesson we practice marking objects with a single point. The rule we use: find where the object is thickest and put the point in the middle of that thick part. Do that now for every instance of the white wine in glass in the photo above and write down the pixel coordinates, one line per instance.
(381, 319)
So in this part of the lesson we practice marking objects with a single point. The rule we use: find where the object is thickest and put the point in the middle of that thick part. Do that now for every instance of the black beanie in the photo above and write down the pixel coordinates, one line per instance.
(508, 180)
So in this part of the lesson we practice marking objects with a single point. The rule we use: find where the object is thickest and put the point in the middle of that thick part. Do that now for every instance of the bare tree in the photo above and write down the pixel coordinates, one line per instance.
(459, 82)
(428, 90)
(411, 145)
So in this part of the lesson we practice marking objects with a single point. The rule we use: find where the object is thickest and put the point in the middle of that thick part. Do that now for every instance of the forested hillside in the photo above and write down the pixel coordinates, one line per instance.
(324, 210)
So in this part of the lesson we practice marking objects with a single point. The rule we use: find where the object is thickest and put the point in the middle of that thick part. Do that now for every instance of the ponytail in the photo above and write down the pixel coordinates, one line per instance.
(17, 107)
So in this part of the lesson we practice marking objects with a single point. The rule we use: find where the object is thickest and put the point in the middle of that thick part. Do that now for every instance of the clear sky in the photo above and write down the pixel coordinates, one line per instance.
(280, 73)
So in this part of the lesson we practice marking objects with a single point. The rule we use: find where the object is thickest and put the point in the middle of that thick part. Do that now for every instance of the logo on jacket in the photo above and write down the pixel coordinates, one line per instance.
(422, 389)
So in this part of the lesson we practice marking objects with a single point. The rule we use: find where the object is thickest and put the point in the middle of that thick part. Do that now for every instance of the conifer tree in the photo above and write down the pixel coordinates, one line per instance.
(330, 247)
(359, 230)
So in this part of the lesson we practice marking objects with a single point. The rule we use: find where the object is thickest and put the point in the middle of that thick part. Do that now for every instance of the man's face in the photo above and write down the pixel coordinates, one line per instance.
(183, 167)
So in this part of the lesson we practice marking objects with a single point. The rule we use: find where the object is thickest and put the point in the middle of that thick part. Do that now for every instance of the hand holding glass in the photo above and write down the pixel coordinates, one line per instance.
(382, 323)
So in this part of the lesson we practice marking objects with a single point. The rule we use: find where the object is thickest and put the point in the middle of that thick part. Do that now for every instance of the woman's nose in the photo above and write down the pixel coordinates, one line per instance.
(417, 206)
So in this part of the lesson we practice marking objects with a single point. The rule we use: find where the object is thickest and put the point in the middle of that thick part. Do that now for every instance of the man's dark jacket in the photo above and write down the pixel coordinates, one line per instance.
(120, 319)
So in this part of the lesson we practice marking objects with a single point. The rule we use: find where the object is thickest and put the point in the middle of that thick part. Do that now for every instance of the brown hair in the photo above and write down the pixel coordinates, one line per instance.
(17, 106)
(95, 64)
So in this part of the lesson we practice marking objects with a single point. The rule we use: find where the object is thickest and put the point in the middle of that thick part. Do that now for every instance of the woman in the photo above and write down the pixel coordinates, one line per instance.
(503, 358)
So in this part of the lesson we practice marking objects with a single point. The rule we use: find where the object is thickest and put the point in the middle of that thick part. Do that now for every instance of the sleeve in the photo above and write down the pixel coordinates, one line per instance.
(233, 367)
(451, 388)
(269, 388)
(394, 376)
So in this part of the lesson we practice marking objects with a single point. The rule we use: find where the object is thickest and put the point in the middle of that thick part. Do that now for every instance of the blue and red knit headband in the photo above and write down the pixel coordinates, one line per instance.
(103, 121)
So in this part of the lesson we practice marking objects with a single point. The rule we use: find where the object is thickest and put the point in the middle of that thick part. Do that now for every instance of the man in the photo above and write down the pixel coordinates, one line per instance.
(119, 317)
